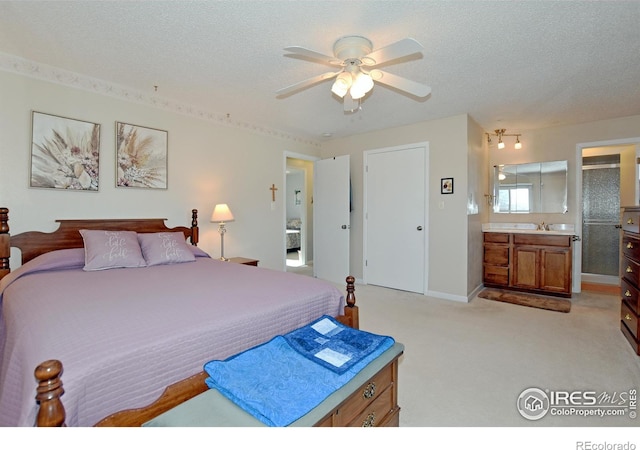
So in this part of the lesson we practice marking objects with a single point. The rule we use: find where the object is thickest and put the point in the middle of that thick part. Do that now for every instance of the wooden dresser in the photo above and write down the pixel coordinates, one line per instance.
(630, 275)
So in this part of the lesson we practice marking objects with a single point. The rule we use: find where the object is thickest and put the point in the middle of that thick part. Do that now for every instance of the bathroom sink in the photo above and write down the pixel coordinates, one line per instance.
(531, 228)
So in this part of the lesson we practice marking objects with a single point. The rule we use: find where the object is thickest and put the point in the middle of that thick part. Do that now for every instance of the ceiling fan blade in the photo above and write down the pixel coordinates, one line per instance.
(305, 83)
(301, 51)
(399, 49)
(403, 84)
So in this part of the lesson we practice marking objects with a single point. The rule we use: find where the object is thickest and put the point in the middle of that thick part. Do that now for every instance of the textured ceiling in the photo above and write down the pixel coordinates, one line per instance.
(518, 65)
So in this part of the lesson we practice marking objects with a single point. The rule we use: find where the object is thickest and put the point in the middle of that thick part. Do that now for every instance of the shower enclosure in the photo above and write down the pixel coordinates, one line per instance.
(601, 218)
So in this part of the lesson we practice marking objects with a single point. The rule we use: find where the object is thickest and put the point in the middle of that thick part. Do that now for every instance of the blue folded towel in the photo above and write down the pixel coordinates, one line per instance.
(332, 344)
(277, 384)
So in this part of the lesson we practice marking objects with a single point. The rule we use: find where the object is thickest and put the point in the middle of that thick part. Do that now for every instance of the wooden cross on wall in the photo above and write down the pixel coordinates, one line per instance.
(273, 190)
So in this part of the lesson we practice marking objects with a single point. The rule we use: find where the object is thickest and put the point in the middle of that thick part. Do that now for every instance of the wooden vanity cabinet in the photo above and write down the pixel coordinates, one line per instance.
(536, 263)
(542, 263)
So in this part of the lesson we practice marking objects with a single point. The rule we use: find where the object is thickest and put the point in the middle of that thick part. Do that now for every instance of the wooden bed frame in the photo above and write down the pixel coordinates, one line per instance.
(48, 374)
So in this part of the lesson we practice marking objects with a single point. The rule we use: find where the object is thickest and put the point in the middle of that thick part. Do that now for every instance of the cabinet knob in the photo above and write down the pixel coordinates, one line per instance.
(629, 221)
(627, 316)
(369, 391)
(629, 245)
(627, 293)
(370, 420)
(629, 269)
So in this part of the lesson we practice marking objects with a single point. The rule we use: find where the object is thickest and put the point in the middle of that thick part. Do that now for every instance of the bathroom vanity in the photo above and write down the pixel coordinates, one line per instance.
(528, 257)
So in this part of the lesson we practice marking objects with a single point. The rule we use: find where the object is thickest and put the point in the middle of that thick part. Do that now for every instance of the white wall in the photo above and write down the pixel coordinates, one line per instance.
(208, 163)
(448, 152)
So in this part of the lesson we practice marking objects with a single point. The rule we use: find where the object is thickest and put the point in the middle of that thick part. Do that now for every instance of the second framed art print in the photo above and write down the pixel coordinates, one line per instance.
(141, 156)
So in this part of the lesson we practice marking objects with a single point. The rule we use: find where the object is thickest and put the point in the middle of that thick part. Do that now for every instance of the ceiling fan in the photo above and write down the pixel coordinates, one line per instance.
(358, 72)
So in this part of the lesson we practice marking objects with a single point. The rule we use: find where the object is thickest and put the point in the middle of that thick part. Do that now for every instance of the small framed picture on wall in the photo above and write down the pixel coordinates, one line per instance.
(446, 185)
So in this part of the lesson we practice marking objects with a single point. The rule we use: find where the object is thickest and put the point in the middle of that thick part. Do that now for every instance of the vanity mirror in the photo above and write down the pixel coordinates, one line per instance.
(530, 188)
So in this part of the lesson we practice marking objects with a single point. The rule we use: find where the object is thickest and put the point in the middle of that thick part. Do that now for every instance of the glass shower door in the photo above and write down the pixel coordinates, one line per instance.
(601, 220)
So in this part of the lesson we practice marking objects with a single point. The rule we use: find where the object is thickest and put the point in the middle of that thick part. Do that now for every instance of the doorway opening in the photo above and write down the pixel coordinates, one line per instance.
(601, 218)
(607, 183)
(298, 215)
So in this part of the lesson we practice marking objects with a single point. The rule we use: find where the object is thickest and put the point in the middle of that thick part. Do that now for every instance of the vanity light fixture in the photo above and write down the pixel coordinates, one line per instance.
(500, 133)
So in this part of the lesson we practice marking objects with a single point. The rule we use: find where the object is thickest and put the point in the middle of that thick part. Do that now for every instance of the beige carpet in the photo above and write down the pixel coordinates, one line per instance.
(465, 364)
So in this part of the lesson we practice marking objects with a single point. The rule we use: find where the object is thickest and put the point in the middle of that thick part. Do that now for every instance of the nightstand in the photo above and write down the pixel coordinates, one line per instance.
(245, 261)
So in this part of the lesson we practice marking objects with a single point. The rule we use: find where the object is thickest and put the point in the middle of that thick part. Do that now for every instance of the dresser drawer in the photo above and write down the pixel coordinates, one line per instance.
(631, 221)
(635, 344)
(629, 294)
(631, 270)
(367, 395)
(630, 319)
(630, 247)
(375, 413)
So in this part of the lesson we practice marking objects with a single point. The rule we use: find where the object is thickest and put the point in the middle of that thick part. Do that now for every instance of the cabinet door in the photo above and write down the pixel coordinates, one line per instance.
(525, 267)
(555, 269)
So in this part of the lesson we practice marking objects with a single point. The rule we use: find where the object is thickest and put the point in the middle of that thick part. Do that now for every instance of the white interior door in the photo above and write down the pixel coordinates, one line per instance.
(395, 220)
(331, 213)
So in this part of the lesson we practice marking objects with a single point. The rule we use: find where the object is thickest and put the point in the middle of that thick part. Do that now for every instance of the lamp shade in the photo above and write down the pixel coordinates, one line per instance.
(221, 213)
(342, 84)
(362, 84)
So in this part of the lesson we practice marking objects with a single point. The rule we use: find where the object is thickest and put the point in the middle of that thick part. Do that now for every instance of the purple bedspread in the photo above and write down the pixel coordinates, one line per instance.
(123, 335)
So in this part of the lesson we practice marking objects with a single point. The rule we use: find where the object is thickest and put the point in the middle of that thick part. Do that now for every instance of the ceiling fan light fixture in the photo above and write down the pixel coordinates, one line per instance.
(342, 84)
(362, 84)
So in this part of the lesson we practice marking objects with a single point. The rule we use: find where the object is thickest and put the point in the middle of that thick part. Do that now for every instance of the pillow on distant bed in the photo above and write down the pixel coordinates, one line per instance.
(111, 249)
(165, 248)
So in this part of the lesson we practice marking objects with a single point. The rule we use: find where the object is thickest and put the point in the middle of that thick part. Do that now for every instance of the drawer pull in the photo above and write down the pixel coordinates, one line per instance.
(627, 316)
(627, 293)
(369, 391)
(629, 244)
(370, 420)
(629, 269)
(629, 221)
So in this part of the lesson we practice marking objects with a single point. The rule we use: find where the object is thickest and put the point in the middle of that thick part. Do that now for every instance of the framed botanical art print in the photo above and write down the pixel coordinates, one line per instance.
(446, 185)
(65, 153)
(141, 156)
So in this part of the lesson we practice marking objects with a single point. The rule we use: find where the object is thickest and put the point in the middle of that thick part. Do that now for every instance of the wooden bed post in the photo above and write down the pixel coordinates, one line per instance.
(351, 309)
(195, 230)
(51, 412)
(5, 246)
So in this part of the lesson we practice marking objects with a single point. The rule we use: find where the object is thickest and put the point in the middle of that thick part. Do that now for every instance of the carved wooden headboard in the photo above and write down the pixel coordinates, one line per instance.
(35, 243)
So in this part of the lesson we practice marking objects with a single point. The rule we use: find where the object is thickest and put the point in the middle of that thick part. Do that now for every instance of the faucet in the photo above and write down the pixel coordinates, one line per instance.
(543, 227)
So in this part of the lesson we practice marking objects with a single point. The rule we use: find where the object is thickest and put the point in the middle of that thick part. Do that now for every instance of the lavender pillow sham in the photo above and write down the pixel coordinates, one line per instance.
(111, 249)
(165, 248)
